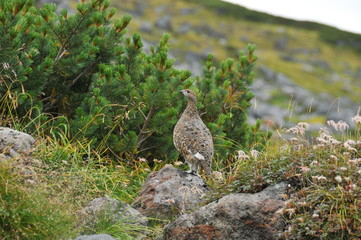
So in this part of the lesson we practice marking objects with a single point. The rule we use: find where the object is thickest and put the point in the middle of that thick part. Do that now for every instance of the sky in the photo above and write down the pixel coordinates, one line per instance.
(343, 14)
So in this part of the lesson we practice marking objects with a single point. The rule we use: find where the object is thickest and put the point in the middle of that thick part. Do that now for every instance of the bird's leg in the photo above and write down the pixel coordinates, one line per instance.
(193, 169)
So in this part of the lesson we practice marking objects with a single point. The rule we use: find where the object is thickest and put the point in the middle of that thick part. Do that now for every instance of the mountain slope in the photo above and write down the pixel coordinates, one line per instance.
(319, 61)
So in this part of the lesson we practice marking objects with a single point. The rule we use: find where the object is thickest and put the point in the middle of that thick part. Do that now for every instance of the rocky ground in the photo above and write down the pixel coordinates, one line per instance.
(168, 194)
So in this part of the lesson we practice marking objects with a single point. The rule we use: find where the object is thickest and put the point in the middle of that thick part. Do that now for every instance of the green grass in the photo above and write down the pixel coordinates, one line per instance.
(29, 212)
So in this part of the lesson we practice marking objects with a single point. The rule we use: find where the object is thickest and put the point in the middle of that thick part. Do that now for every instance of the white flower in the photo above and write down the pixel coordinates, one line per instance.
(339, 126)
(342, 126)
(254, 153)
(291, 211)
(315, 215)
(355, 161)
(350, 142)
(346, 154)
(332, 123)
(313, 163)
(299, 130)
(333, 157)
(6, 66)
(303, 125)
(338, 179)
(357, 119)
(65, 162)
(142, 160)
(241, 155)
(217, 175)
(157, 161)
(343, 168)
(178, 163)
(348, 147)
(321, 178)
(334, 141)
(304, 169)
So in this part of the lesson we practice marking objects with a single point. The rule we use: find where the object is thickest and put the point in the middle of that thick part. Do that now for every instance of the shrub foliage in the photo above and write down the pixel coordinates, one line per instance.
(82, 66)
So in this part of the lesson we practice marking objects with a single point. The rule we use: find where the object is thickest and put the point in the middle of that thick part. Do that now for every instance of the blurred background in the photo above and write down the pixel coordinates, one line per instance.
(306, 70)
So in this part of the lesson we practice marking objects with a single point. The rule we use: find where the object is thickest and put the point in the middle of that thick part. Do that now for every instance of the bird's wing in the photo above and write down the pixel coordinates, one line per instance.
(193, 137)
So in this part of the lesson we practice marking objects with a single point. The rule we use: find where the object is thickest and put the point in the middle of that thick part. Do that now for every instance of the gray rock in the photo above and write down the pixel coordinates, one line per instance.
(281, 43)
(210, 31)
(15, 143)
(271, 114)
(193, 62)
(288, 58)
(160, 9)
(233, 217)
(184, 28)
(245, 39)
(95, 237)
(187, 11)
(321, 64)
(165, 23)
(358, 73)
(170, 192)
(146, 27)
(111, 211)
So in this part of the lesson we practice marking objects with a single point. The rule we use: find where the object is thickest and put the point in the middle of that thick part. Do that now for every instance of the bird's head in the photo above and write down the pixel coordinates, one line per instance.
(189, 94)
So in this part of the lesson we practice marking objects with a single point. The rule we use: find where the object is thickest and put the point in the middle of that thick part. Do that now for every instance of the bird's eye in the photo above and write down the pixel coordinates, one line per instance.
(187, 91)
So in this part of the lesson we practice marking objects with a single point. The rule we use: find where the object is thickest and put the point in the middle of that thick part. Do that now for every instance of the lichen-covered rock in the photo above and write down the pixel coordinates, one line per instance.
(95, 237)
(233, 217)
(15, 143)
(170, 192)
(112, 211)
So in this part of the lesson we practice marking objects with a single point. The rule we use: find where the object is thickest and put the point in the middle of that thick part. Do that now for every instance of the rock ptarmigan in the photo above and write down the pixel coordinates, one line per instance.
(192, 138)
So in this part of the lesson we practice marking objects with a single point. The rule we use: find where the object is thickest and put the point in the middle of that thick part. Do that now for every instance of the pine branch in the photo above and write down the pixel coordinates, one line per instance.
(143, 134)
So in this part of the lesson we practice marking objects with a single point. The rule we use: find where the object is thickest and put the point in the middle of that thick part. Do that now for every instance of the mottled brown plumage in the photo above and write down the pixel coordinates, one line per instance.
(192, 138)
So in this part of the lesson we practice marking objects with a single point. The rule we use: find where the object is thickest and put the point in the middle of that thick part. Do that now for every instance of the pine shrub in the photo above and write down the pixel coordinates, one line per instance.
(83, 66)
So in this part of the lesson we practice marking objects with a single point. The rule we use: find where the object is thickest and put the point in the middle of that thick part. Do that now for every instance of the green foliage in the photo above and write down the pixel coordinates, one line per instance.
(27, 213)
(48, 58)
(80, 66)
(133, 103)
(226, 98)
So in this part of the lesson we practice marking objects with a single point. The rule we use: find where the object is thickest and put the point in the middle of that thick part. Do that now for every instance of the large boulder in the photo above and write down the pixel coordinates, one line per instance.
(235, 216)
(170, 192)
(15, 143)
